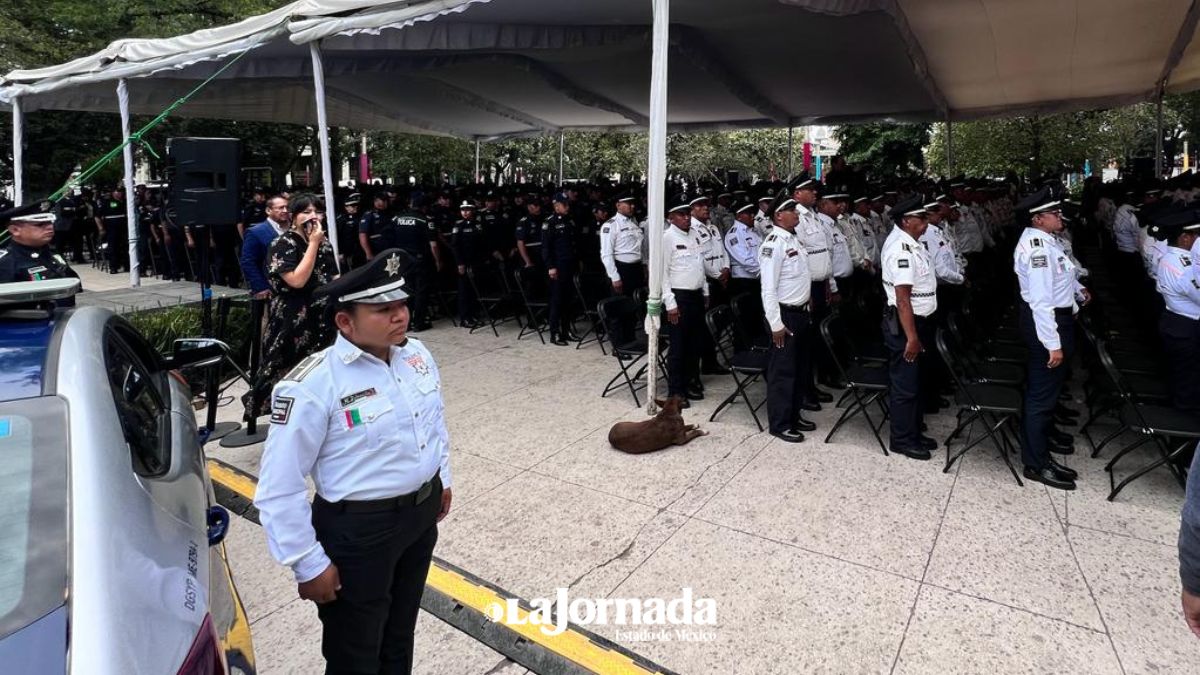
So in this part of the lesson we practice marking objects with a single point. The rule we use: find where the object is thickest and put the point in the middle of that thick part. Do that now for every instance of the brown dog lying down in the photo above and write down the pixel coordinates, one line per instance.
(664, 430)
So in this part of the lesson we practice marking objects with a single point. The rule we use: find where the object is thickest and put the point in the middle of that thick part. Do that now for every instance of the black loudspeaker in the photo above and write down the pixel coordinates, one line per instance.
(203, 175)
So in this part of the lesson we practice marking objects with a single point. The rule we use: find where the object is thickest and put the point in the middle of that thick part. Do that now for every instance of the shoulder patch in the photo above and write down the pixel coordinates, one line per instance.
(305, 367)
(605, 229)
(281, 409)
(766, 252)
(733, 241)
(1039, 261)
(902, 263)
(906, 247)
(3, 252)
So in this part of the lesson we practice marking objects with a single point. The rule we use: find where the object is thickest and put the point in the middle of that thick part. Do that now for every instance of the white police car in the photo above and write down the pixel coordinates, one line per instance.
(111, 558)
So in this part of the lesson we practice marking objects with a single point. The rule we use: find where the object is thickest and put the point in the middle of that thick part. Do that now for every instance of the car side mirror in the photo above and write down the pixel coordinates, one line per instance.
(195, 353)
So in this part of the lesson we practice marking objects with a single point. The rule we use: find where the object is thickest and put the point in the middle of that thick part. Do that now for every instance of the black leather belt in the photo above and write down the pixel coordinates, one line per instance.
(924, 295)
(1064, 311)
(794, 308)
(386, 504)
(818, 250)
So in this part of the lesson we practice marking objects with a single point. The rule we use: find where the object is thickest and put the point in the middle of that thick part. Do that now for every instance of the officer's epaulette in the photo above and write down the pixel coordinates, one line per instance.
(771, 237)
(3, 251)
(305, 367)
(906, 247)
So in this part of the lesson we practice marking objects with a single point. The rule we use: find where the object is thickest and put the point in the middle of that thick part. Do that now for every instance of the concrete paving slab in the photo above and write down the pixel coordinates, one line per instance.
(843, 501)
(779, 609)
(1004, 543)
(1136, 586)
(954, 633)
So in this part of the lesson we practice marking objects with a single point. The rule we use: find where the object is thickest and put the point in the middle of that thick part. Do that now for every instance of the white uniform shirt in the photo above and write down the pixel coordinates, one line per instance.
(1178, 281)
(852, 233)
(968, 231)
(905, 262)
(1047, 279)
(621, 239)
(742, 243)
(1125, 229)
(683, 264)
(866, 239)
(818, 242)
(763, 224)
(945, 265)
(1064, 241)
(1151, 249)
(363, 429)
(839, 249)
(715, 259)
(883, 227)
(785, 276)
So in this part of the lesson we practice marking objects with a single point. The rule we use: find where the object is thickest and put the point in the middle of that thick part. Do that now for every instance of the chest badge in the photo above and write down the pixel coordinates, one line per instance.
(417, 363)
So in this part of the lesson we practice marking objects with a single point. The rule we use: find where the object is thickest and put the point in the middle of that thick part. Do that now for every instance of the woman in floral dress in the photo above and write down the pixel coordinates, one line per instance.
(298, 261)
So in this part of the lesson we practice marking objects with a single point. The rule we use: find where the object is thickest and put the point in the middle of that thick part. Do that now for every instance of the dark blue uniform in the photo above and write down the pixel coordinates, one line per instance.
(470, 250)
(529, 230)
(559, 235)
(413, 233)
(111, 213)
(377, 225)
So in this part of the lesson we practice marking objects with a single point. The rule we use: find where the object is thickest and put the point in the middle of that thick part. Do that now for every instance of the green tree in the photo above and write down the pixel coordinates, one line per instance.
(885, 149)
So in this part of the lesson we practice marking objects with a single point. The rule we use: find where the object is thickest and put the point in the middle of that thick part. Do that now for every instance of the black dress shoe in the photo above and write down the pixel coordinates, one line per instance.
(804, 425)
(1061, 438)
(1049, 478)
(810, 406)
(1063, 472)
(695, 394)
(1059, 448)
(914, 453)
(1065, 421)
(824, 396)
(558, 340)
(929, 443)
(714, 370)
(573, 337)
(685, 404)
(832, 383)
(790, 435)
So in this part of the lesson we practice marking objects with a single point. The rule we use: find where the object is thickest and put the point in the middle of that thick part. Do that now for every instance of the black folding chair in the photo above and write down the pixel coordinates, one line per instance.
(588, 296)
(1156, 424)
(987, 349)
(995, 405)
(746, 366)
(1105, 397)
(865, 384)
(537, 304)
(490, 303)
(630, 355)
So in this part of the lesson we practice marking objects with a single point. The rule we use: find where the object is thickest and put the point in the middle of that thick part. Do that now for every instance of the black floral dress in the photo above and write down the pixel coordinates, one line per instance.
(297, 323)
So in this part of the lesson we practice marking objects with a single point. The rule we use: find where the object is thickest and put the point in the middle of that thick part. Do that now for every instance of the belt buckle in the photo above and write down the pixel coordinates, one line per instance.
(424, 491)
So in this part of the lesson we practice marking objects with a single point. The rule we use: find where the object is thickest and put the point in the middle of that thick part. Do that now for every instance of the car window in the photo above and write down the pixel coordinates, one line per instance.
(33, 510)
(138, 395)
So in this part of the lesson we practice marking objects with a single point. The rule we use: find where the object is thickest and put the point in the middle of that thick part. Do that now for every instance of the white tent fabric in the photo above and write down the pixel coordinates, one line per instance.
(486, 69)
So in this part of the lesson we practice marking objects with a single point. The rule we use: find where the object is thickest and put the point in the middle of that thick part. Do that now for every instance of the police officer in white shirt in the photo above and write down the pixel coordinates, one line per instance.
(716, 269)
(785, 293)
(742, 242)
(1049, 290)
(1178, 281)
(860, 221)
(685, 297)
(818, 242)
(910, 286)
(762, 222)
(622, 241)
(364, 418)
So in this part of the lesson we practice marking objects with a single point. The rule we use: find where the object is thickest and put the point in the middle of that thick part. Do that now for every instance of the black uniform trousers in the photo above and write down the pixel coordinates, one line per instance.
(906, 403)
(225, 262)
(633, 277)
(383, 558)
(467, 301)
(116, 239)
(1042, 384)
(419, 277)
(786, 387)
(818, 355)
(1181, 342)
(559, 315)
(686, 336)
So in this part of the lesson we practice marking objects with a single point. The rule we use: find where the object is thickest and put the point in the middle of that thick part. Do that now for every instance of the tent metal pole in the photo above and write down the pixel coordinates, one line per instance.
(949, 147)
(131, 219)
(791, 144)
(656, 165)
(18, 150)
(327, 178)
(477, 161)
(1159, 169)
(562, 144)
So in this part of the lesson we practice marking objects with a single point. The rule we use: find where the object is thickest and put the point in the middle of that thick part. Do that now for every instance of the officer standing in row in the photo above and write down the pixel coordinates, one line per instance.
(818, 242)
(112, 223)
(347, 224)
(27, 256)
(529, 234)
(1178, 281)
(908, 331)
(559, 234)
(365, 419)
(375, 231)
(469, 247)
(416, 235)
(742, 243)
(622, 241)
(685, 297)
(785, 293)
(1047, 310)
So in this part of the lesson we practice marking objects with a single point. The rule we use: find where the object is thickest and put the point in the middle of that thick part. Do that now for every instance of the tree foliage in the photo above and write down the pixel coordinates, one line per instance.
(885, 148)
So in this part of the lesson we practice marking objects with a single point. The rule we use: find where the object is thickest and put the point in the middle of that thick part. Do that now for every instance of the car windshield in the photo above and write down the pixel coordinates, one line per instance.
(33, 510)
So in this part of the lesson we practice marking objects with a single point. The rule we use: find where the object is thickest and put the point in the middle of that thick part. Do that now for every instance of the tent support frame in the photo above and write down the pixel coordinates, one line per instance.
(131, 220)
(327, 178)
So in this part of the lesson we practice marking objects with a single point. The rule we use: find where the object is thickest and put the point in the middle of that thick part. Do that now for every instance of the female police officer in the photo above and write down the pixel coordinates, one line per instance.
(365, 419)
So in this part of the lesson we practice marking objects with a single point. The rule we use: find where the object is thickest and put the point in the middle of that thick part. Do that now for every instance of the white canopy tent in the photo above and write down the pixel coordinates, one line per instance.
(490, 69)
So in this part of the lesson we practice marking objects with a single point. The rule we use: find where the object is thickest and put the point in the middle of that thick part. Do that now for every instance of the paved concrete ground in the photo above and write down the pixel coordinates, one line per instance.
(821, 557)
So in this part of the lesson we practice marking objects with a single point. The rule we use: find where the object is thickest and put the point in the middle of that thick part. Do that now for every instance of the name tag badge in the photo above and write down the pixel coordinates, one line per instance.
(357, 396)
(792, 253)
(680, 247)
